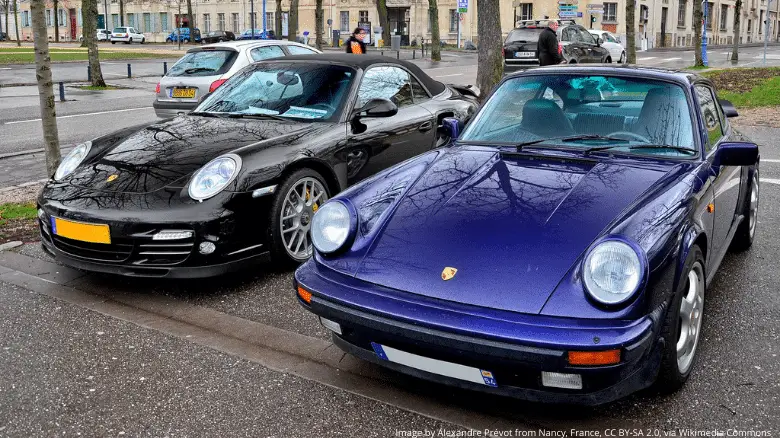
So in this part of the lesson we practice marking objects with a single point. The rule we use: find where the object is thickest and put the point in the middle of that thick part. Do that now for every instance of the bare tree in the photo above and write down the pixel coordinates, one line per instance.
(121, 12)
(45, 89)
(6, 4)
(381, 9)
(698, 15)
(90, 14)
(318, 26)
(278, 18)
(16, 23)
(631, 31)
(292, 22)
(56, 7)
(737, 12)
(191, 22)
(490, 66)
(433, 12)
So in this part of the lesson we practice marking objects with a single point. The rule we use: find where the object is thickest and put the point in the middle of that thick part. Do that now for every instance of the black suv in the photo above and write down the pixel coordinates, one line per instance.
(575, 43)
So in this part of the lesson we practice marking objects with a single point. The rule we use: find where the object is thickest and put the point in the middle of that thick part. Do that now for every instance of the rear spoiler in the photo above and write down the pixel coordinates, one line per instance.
(468, 90)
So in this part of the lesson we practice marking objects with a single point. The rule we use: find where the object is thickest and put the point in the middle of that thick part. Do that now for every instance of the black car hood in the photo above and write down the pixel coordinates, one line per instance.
(166, 154)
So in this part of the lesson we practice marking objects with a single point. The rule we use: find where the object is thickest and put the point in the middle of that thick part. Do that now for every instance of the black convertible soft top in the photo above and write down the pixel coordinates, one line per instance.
(365, 61)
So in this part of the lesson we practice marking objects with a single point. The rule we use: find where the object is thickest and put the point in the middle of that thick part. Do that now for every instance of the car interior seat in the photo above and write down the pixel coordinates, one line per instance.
(545, 118)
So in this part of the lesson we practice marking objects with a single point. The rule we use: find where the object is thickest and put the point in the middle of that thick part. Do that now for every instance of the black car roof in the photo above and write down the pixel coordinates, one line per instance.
(365, 61)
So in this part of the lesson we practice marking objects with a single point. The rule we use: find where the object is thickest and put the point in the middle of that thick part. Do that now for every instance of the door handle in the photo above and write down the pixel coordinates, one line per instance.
(425, 127)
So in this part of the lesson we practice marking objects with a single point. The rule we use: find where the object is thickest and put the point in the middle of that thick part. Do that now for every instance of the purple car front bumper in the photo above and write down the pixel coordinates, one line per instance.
(515, 348)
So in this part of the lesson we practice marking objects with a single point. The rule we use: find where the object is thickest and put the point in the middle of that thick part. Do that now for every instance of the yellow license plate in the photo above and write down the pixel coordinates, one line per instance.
(188, 93)
(94, 233)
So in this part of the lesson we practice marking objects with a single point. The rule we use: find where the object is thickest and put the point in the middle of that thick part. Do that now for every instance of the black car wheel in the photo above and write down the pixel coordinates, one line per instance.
(622, 58)
(681, 331)
(298, 198)
(608, 60)
(746, 232)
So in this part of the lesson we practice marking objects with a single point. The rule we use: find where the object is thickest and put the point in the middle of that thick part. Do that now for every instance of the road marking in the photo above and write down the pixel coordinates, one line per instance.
(81, 115)
(646, 59)
(672, 59)
(770, 181)
(5, 68)
(766, 160)
(446, 76)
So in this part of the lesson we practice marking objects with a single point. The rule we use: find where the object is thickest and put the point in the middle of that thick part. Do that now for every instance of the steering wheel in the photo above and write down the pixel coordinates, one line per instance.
(633, 135)
(326, 106)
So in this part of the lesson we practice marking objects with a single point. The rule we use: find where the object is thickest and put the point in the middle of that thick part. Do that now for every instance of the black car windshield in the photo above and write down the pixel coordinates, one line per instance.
(310, 91)
(555, 108)
(203, 63)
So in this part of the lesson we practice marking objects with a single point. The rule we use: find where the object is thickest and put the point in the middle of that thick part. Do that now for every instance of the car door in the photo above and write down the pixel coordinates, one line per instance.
(589, 45)
(725, 179)
(377, 143)
(614, 47)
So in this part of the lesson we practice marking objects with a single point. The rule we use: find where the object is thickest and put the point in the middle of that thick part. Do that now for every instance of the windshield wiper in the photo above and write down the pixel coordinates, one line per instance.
(641, 146)
(257, 116)
(571, 138)
(207, 114)
(190, 71)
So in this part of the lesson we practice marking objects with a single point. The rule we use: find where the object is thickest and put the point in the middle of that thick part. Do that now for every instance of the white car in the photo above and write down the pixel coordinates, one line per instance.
(611, 43)
(203, 69)
(127, 35)
(100, 34)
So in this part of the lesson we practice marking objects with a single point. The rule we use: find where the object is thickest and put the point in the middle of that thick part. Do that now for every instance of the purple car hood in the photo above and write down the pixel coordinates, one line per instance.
(512, 226)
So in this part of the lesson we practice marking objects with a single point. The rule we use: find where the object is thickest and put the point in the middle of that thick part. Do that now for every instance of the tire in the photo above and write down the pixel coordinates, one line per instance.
(279, 242)
(113, 42)
(622, 58)
(168, 40)
(129, 41)
(186, 41)
(746, 232)
(143, 40)
(674, 372)
(608, 60)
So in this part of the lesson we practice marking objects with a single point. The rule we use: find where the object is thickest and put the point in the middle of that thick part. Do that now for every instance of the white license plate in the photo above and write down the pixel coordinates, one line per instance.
(435, 366)
(524, 54)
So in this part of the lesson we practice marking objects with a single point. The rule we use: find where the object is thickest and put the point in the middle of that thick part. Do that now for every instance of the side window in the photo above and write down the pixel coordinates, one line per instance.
(567, 34)
(266, 52)
(586, 36)
(420, 95)
(608, 38)
(709, 113)
(298, 50)
(386, 83)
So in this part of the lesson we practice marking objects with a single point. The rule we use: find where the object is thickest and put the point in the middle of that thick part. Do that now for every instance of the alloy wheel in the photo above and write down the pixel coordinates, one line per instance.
(300, 204)
(691, 313)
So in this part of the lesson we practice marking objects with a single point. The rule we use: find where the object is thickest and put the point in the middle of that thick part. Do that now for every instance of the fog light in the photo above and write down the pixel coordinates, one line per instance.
(331, 325)
(207, 247)
(172, 235)
(560, 380)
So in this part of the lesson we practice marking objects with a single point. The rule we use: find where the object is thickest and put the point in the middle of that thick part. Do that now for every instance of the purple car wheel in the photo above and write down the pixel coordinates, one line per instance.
(691, 312)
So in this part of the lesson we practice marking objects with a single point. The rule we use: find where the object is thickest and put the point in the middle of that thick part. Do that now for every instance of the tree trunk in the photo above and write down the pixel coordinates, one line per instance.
(319, 14)
(278, 18)
(55, 5)
(381, 9)
(121, 12)
(89, 17)
(7, 16)
(191, 22)
(16, 24)
(433, 12)
(292, 23)
(490, 65)
(698, 15)
(631, 31)
(45, 90)
(737, 12)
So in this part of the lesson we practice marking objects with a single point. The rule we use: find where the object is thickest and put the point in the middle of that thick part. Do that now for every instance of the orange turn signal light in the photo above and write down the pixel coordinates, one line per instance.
(609, 357)
(304, 294)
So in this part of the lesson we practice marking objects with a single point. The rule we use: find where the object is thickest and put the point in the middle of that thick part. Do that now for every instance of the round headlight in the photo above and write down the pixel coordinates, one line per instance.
(214, 176)
(72, 160)
(330, 227)
(612, 272)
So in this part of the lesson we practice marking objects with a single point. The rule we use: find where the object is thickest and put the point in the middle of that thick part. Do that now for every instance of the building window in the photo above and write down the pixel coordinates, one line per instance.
(62, 20)
(49, 18)
(710, 7)
(526, 11)
(761, 23)
(115, 20)
(724, 13)
(147, 17)
(221, 21)
(164, 21)
(253, 21)
(207, 23)
(131, 20)
(234, 19)
(682, 11)
(453, 20)
(750, 27)
(363, 15)
(610, 13)
(269, 20)
(344, 22)
(25, 18)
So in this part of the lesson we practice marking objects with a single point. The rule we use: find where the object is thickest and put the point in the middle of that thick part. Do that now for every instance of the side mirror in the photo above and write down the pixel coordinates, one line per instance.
(378, 108)
(728, 108)
(451, 127)
(737, 154)
(599, 41)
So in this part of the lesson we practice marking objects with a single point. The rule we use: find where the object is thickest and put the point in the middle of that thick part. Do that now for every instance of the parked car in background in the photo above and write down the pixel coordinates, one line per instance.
(100, 34)
(127, 35)
(183, 33)
(218, 36)
(203, 69)
(611, 43)
(2, 36)
(560, 250)
(575, 43)
(258, 35)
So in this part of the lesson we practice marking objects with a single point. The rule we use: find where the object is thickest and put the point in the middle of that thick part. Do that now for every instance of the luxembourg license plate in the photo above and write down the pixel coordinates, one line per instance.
(435, 366)
(185, 93)
(94, 233)
(524, 54)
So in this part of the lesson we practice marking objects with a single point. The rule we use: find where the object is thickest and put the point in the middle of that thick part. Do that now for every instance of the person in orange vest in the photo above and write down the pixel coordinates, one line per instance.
(355, 42)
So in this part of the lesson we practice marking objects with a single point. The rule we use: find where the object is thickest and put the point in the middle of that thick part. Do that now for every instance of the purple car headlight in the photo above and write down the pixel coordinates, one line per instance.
(332, 227)
(612, 272)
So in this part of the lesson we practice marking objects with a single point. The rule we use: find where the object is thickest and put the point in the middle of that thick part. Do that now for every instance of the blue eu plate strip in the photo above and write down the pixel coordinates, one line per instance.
(379, 351)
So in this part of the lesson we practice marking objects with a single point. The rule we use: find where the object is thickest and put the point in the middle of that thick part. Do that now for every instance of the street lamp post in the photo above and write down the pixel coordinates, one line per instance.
(766, 29)
(704, 37)
(263, 35)
(252, 17)
(105, 12)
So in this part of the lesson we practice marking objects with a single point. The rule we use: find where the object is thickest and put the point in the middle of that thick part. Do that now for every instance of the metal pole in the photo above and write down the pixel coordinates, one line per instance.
(89, 75)
(178, 26)
(165, 68)
(264, 22)
(128, 71)
(459, 30)
(766, 29)
(62, 92)
(105, 11)
(252, 17)
(704, 37)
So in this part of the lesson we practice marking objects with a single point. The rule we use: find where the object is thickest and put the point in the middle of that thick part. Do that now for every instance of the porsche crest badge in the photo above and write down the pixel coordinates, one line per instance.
(448, 273)
(112, 177)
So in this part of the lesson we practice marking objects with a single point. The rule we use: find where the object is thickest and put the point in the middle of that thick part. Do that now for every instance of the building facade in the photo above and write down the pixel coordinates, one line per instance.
(660, 23)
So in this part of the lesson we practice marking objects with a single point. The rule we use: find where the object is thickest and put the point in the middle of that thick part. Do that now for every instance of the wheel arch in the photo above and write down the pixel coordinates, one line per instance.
(691, 237)
(334, 185)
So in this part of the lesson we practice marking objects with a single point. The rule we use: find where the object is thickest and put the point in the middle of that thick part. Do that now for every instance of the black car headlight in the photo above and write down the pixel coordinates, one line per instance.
(333, 226)
(214, 176)
(72, 160)
(613, 271)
